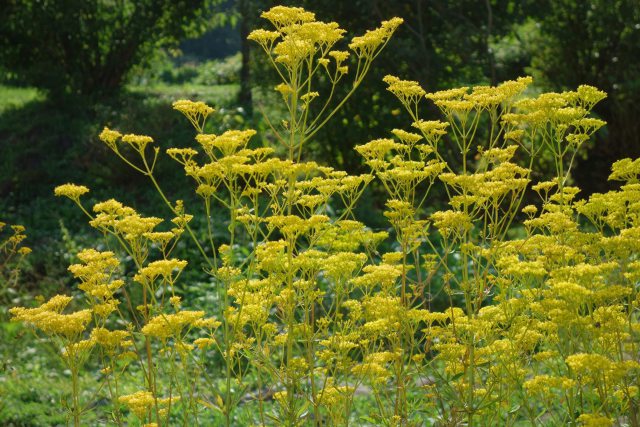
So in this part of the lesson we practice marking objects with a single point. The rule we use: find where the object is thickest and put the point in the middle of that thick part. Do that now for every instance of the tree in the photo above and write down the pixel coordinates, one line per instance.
(87, 47)
(244, 96)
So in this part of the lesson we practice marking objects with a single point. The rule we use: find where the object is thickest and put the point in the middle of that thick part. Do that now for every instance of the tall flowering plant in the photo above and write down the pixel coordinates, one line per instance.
(312, 320)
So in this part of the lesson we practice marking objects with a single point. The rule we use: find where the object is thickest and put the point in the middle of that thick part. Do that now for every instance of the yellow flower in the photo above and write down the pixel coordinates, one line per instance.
(451, 223)
(448, 94)
(171, 325)
(408, 138)
(203, 343)
(377, 149)
(196, 112)
(175, 301)
(139, 403)
(590, 95)
(588, 364)
(332, 396)
(108, 339)
(164, 268)
(407, 91)
(383, 275)
(264, 38)
(366, 45)
(542, 384)
(71, 191)
(48, 318)
(139, 142)
(182, 155)
(595, 420)
(432, 129)
(110, 138)
(625, 170)
(283, 16)
(339, 56)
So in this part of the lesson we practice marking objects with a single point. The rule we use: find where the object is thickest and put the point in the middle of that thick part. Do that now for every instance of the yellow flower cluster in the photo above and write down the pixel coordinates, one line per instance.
(366, 46)
(71, 191)
(282, 16)
(301, 36)
(196, 112)
(408, 92)
(300, 45)
(49, 319)
(451, 224)
(138, 142)
(505, 315)
(109, 339)
(111, 137)
(139, 402)
(13, 253)
(95, 274)
(595, 420)
(164, 268)
(112, 216)
(394, 165)
(625, 170)
(166, 326)
(542, 384)
(12, 256)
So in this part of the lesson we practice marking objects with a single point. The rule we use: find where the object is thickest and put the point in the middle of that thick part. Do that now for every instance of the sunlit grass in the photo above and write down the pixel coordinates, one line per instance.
(16, 97)
(221, 94)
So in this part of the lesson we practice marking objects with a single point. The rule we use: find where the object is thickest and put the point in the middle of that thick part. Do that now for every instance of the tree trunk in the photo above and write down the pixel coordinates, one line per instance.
(244, 96)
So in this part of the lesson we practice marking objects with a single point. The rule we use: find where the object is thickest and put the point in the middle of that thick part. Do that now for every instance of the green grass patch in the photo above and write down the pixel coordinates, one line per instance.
(217, 95)
(16, 97)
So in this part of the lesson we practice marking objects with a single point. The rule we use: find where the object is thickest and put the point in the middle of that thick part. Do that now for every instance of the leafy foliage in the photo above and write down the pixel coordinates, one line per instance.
(88, 47)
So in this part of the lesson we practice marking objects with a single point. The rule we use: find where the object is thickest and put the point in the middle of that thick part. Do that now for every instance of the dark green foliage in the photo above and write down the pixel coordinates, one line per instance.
(88, 46)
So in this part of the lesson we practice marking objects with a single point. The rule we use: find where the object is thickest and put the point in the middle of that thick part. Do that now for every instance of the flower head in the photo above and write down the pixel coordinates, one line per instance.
(71, 191)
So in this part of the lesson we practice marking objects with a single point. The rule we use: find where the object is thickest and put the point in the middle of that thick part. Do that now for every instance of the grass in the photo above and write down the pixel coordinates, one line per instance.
(12, 97)
(16, 97)
(162, 92)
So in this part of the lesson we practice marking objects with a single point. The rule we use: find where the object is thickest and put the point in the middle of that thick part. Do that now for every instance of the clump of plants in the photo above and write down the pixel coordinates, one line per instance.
(309, 319)
(13, 253)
